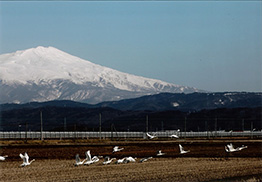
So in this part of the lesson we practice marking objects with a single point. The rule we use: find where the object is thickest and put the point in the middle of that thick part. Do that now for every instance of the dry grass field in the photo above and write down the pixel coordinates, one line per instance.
(207, 161)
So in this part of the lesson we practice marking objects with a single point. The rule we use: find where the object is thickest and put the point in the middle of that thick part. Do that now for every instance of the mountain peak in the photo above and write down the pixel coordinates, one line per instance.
(49, 73)
(42, 64)
(41, 51)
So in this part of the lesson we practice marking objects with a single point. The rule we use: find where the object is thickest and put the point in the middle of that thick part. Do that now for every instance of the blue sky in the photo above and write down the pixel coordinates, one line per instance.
(214, 46)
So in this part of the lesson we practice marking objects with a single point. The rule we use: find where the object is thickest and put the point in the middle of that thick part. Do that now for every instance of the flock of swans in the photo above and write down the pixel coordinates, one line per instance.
(107, 160)
(87, 161)
(228, 147)
(152, 136)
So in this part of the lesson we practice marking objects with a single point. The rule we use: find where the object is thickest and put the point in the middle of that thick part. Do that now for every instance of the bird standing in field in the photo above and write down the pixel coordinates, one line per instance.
(2, 158)
(182, 151)
(25, 160)
(117, 149)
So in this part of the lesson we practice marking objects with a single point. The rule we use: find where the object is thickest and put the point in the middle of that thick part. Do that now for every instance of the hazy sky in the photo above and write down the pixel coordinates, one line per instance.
(215, 46)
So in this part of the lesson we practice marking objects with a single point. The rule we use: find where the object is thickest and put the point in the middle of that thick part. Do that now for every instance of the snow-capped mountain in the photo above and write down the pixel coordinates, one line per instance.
(46, 73)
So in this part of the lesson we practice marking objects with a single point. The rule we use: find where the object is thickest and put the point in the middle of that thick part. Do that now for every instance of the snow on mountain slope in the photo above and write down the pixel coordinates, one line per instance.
(42, 74)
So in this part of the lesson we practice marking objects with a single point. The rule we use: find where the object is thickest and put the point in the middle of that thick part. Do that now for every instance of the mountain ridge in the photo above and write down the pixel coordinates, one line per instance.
(161, 102)
(229, 109)
(189, 102)
(42, 74)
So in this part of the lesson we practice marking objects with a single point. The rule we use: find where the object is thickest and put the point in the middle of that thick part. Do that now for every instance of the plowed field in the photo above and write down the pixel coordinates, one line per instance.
(206, 161)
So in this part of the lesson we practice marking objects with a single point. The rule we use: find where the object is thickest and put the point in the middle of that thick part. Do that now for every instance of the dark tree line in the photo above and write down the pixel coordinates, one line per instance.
(87, 119)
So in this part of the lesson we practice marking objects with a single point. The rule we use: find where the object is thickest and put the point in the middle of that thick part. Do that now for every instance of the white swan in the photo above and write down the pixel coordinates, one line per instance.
(175, 135)
(145, 159)
(230, 148)
(25, 160)
(2, 158)
(117, 149)
(151, 136)
(95, 159)
(120, 161)
(159, 153)
(78, 160)
(242, 147)
(129, 159)
(88, 158)
(182, 151)
(107, 160)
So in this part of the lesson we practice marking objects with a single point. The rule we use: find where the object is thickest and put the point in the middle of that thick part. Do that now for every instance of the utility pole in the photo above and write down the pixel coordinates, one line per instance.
(146, 123)
(100, 128)
(206, 127)
(112, 131)
(75, 131)
(216, 127)
(19, 130)
(41, 129)
(243, 124)
(251, 129)
(26, 128)
(185, 127)
(64, 123)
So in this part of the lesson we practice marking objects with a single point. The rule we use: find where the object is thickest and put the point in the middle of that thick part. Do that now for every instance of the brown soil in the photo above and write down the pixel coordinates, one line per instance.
(206, 161)
(55, 149)
(157, 169)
